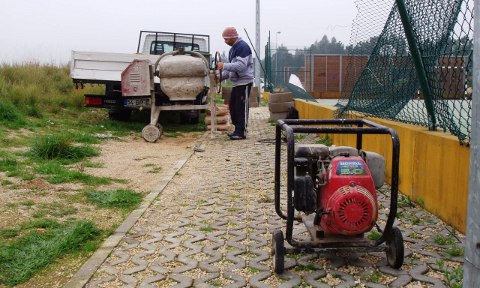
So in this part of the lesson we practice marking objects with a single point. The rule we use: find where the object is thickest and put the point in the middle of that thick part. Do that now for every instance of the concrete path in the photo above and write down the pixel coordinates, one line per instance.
(211, 224)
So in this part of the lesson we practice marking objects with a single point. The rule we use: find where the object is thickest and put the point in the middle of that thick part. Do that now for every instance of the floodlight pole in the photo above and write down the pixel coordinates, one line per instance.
(471, 266)
(257, 47)
(276, 56)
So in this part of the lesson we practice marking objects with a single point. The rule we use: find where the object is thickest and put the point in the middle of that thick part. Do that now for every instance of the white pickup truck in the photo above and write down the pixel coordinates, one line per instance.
(106, 68)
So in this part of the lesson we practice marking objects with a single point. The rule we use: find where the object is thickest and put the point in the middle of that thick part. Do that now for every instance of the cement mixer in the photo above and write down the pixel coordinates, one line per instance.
(186, 81)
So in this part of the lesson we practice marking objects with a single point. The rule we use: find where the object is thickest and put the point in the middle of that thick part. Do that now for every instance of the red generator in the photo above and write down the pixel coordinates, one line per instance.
(332, 190)
(349, 201)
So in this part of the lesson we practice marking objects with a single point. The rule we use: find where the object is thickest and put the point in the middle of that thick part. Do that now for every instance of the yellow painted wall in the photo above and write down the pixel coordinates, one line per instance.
(434, 167)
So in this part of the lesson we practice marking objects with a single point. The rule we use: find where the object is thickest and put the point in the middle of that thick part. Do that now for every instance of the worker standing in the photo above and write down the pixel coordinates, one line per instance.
(240, 71)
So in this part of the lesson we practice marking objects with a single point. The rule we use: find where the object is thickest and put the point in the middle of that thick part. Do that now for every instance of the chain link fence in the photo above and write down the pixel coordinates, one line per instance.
(281, 64)
(420, 66)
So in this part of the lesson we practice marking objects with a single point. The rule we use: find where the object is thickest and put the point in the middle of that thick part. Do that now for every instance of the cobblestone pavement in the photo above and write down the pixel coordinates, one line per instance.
(211, 227)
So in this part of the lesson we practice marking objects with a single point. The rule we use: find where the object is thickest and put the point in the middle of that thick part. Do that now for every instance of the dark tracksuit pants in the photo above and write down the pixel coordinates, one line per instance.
(239, 108)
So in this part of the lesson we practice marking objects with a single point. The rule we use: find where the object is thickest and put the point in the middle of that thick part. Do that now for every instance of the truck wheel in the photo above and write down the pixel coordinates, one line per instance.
(119, 114)
(190, 117)
(151, 133)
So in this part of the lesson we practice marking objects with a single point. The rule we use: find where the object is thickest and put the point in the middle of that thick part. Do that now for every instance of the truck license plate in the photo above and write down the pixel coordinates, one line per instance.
(143, 102)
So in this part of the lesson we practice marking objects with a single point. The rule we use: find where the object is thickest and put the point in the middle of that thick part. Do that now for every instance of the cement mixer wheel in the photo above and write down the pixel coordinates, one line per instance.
(151, 133)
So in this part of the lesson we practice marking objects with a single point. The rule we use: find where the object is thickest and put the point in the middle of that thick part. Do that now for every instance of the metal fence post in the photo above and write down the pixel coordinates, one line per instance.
(471, 266)
(340, 82)
(417, 59)
(312, 71)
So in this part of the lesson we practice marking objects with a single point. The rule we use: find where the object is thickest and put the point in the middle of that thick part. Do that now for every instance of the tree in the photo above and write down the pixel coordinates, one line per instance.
(326, 46)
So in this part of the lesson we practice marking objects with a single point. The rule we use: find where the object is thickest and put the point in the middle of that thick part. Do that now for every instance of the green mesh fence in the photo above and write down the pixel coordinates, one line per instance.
(420, 66)
(280, 64)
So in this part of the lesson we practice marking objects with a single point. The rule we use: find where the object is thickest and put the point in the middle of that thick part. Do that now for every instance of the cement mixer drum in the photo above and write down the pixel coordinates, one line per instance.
(183, 77)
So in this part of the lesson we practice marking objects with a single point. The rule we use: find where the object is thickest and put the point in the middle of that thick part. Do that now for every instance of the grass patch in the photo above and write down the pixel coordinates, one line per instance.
(374, 277)
(374, 235)
(22, 258)
(10, 116)
(8, 163)
(8, 233)
(154, 168)
(120, 198)
(6, 182)
(252, 270)
(454, 276)
(60, 174)
(299, 137)
(455, 251)
(405, 201)
(40, 223)
(442, 240)
(206, 229)
(59, 147)
(421, 202)
(14, 167)
(27, 203)
(93, 165)
(54, 209)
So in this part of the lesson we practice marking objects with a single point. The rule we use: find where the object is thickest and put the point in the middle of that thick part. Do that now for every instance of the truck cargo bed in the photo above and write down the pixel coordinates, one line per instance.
(102, 67)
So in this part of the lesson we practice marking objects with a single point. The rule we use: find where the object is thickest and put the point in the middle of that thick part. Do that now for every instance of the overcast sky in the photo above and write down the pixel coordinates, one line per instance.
(46, 31)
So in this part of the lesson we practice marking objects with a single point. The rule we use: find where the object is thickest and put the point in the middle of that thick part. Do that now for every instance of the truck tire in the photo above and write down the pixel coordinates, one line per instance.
(119, 114)
(190, 117)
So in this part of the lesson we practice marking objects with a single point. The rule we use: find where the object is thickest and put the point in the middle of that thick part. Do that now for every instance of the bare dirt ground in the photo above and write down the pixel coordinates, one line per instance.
(136, 164)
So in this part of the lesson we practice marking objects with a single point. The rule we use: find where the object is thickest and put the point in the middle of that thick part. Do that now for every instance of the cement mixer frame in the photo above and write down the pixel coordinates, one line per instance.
(138, 80)
(390, 235)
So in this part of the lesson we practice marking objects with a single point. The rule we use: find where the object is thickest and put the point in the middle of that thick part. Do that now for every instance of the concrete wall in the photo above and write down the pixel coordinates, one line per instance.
(434, 167)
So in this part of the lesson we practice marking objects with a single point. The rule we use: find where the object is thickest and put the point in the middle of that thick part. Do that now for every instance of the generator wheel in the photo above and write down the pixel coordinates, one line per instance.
(395, 248)
(151, 133)
(278, 251)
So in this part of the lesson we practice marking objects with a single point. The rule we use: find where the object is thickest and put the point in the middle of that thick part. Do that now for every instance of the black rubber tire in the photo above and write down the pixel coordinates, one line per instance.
(278, 252)
(395, 249)
(119, 114)
(190, 117)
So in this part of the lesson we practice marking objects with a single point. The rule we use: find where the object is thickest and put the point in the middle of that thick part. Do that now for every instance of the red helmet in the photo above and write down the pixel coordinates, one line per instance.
(230, 32)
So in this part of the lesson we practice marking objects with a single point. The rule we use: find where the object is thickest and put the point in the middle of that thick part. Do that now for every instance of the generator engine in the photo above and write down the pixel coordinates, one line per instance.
(338, 186)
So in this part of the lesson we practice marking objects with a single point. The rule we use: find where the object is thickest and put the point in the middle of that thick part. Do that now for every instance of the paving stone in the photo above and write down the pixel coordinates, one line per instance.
(211, 227)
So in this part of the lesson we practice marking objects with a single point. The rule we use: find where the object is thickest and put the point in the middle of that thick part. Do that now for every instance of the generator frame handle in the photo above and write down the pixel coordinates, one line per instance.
(292, 126)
